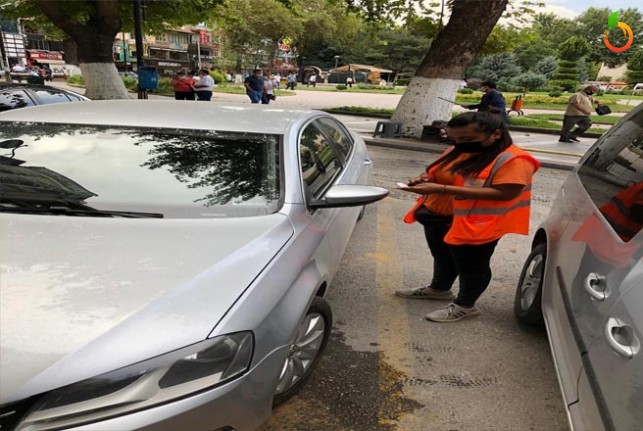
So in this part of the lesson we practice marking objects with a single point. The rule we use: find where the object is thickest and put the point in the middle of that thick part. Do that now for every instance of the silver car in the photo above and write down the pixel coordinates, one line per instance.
(584, 277)
(163, 264)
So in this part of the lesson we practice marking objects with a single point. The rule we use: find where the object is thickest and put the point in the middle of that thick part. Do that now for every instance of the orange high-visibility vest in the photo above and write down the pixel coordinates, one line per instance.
(478, 221)
(617, 212)
(410, 215)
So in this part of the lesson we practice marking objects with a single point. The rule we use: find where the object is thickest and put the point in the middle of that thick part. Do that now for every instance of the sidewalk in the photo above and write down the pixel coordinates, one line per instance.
(544, 147)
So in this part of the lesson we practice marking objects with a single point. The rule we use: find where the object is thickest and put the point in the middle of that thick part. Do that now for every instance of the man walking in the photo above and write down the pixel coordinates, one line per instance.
(492, 101)
(254, 86)
(579, 108)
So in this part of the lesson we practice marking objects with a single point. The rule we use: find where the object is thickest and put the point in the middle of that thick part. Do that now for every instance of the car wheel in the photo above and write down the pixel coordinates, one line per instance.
(527, 303)
(306, 349)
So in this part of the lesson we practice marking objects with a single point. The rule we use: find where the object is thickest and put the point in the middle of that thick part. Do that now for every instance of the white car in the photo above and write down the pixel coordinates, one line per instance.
(163, 263)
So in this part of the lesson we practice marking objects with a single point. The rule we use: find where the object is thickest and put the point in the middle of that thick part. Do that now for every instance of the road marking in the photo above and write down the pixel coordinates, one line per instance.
(393, 334)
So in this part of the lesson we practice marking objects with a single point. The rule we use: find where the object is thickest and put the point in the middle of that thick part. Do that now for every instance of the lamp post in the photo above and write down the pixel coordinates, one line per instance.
(336, 58)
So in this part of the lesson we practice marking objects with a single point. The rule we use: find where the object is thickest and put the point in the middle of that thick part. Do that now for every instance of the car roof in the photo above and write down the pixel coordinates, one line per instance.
(164, 114)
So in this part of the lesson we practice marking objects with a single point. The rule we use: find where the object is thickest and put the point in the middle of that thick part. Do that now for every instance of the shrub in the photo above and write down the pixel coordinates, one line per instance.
(565, 84)
(465, 90)
(218, 76)
(341, 86)
(604, 78)
(130, 83)
(76, 80)
(374, 87)
(165, 87)
(626, 91)
(555, 93)
(403, 81)
(529, 80)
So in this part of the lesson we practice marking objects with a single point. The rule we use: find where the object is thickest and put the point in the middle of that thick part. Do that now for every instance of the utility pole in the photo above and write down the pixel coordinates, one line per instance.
(142, 94)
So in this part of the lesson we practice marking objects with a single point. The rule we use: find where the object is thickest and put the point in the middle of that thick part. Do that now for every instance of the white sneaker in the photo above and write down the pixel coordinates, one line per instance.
(452, 313)
(425, 293)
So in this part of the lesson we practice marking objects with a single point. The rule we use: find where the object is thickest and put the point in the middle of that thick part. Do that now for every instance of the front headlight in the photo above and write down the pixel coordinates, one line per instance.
(145, 384)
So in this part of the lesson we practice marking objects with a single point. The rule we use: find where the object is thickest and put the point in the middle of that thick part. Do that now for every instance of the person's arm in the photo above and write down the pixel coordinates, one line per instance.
(500, 192)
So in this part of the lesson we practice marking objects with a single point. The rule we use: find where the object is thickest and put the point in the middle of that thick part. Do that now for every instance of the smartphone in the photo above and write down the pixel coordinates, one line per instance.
(401, 184)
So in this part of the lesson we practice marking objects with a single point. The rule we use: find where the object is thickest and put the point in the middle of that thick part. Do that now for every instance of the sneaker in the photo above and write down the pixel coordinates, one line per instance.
(569, 141)
(575, 139)
(425, 293)
(452, 313)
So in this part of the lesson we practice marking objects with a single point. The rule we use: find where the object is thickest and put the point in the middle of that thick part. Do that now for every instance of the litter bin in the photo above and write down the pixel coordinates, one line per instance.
(148, 78)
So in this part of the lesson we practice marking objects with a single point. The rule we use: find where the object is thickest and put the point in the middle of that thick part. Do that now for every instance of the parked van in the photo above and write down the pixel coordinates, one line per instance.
(638, 89)
(584, 281)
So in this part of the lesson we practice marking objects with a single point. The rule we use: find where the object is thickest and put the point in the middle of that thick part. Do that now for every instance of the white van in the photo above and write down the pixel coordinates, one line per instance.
(638, 89)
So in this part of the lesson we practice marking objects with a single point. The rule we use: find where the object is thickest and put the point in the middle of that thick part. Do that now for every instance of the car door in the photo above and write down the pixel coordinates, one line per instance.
(322, 166)
(358, 164)
(600, 247)
(616, 358)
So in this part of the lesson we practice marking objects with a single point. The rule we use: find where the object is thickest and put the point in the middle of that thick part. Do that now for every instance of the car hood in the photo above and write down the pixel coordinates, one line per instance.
(83, 296)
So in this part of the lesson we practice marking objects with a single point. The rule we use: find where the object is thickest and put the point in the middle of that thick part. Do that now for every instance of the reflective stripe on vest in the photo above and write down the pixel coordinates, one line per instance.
(478, 221)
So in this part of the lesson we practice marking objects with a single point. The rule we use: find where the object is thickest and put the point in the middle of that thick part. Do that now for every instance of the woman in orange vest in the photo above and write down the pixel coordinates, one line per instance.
(487, 181)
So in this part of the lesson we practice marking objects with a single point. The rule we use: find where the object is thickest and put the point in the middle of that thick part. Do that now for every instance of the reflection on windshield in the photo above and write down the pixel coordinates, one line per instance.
(139, 171)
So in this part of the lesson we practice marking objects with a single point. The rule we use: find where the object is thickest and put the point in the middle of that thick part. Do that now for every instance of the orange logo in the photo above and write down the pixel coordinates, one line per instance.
(613, 22)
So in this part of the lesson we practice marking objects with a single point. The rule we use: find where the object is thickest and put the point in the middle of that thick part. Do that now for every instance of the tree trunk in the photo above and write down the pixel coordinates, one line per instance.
(71, 51)
(94, 39)
(443, 67)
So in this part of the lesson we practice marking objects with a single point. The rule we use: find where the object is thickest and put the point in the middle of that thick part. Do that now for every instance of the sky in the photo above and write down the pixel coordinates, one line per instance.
(572, 8)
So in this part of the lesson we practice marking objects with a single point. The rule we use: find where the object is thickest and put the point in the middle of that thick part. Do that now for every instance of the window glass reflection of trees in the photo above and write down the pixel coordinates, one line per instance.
(228, 168)
(319, 162)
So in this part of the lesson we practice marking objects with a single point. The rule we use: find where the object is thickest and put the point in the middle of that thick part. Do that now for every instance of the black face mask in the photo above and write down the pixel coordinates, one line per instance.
(469, 147)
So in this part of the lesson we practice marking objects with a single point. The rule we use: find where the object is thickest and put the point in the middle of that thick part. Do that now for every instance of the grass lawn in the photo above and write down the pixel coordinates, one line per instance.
(399, 91)
(544, 124)
(597, 119)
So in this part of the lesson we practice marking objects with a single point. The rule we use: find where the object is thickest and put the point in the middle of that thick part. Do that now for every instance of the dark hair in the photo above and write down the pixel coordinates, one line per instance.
(489, 84)
(484, 122)
(206, 71)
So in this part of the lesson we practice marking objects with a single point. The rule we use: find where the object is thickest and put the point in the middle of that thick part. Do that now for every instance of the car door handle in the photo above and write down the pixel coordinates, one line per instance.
(596, 286)
(621, 338)
(368, 162)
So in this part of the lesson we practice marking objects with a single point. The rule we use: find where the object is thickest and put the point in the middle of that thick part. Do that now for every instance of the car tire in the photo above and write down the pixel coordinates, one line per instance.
(527, 302)
(306, 349)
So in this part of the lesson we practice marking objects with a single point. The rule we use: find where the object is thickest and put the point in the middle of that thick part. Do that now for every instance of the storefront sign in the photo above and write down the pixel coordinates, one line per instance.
(169, 64)
(45, 55)
(202, 36)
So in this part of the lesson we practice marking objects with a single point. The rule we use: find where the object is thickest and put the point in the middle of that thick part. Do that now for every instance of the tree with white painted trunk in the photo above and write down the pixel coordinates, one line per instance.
(443, 67)
(93, 26)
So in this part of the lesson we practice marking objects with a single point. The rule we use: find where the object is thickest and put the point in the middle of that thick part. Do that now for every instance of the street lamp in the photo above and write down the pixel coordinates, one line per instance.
(336, 58)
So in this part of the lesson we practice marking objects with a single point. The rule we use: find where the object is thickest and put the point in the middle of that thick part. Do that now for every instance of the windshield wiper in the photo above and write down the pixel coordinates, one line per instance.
(83, 212)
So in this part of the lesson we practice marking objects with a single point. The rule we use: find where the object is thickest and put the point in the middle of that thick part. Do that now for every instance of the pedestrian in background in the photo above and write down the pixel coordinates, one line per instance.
(579, 108)
(268, 89)
(203, 87)
(349, 82)
(182, 85)
(312, 80)
(492, 101)
(292, 81)
(486, 182)
(254, 86)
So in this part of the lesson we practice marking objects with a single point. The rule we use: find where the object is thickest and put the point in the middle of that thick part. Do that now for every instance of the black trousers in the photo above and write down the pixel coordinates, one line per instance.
(204, 96)
(184, 95)
(581, 122)
(471, 263)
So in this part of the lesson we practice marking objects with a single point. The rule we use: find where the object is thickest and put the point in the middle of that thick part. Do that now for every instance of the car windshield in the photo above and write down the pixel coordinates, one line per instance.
(105, 171)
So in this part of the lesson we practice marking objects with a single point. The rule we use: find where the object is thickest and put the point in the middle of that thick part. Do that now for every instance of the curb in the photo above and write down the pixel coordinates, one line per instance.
(438, 149)
(511, 127)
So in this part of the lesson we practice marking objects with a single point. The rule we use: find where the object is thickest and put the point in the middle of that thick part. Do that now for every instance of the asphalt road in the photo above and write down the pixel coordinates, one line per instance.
(386, 368)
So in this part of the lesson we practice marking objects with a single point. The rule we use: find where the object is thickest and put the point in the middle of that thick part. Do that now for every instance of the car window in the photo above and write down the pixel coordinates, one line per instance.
(74, 98)
(337, 134)
(319, 161)
(50, 96)
(13, 99)
(70, 169)
(613, 176)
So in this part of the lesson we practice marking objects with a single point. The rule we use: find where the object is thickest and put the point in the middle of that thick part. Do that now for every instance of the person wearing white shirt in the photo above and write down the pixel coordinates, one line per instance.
(203, 88)
(268, 90)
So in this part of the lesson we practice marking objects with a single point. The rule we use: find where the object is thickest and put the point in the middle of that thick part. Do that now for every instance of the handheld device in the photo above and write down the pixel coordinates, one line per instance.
(402, 184)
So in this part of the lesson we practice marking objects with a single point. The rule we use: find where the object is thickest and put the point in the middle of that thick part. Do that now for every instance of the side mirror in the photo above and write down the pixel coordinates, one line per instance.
(349, 196)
